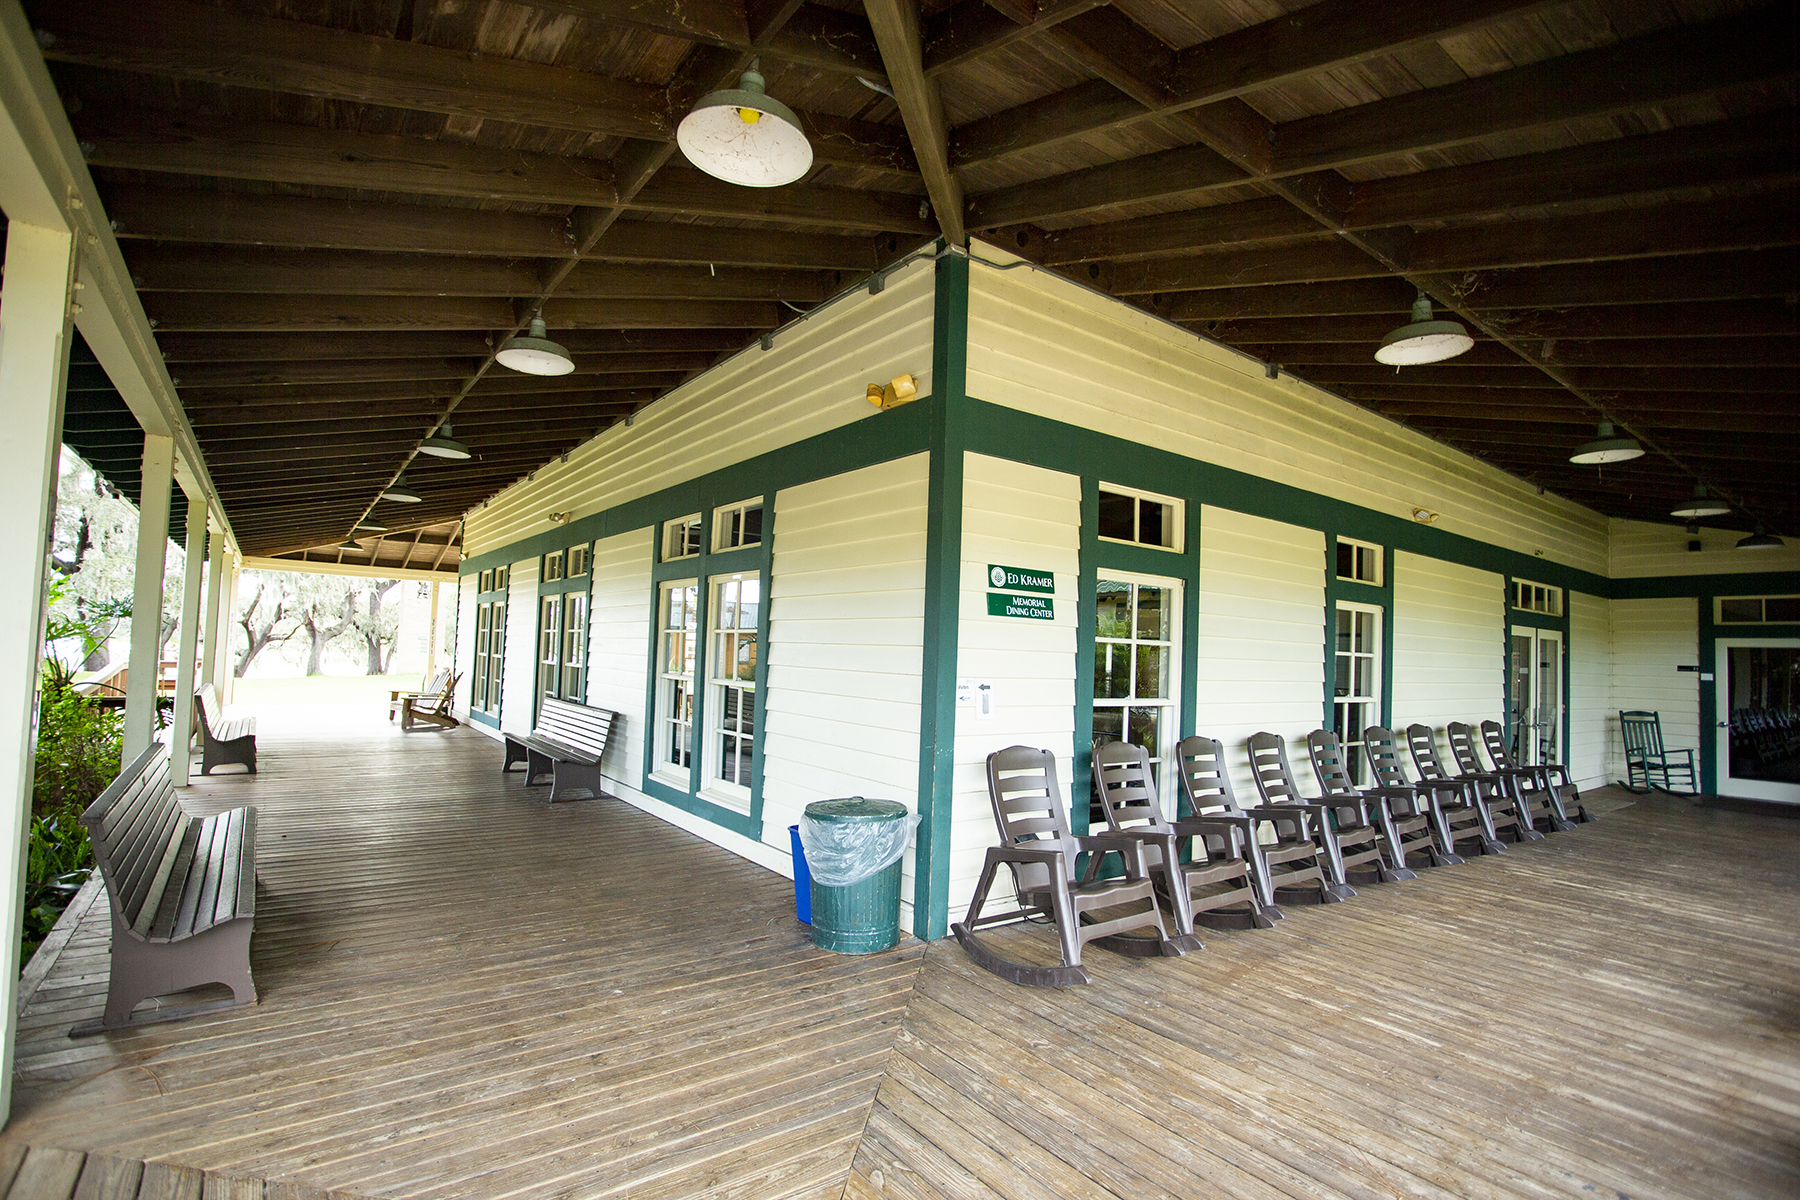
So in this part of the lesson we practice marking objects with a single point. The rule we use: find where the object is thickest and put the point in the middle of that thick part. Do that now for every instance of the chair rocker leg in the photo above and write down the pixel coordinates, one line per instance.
(1390, 860)
(1170, 887)
(1023, 974)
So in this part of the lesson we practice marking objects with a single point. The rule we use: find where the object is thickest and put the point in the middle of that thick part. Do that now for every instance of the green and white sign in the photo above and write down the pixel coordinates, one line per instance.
(1019, 579)
(1013, 604)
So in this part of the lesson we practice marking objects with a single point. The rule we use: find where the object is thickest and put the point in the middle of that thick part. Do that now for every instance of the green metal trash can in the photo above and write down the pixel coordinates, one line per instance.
(861, 917)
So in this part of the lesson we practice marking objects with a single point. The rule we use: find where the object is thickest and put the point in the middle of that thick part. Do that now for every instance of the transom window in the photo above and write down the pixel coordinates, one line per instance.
(1537, 598)
(1142, 518)
(1356, 686)
(578, 561)
(553, 566)
(1134, 665)
(681, 538)
(738, 525)
(731, 666)
(1758, 610)
(677, 610)
(1359, 561)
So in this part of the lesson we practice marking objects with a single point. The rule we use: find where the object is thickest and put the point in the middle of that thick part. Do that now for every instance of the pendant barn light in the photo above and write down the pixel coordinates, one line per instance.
(348, 544)
(745, 137)
(443, 444)
(1424, 340)
(1609, 447)
(534, 353)
(1760, 541)
(1701, 505)
(370, 525)
(400, 490)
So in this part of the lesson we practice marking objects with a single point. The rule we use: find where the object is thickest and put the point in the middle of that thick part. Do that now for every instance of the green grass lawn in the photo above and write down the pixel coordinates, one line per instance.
(321, 691)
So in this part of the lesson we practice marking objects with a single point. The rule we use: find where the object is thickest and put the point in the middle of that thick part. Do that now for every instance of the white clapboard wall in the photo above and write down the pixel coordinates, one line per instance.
(1651, 638)
(814, 379)
(1260, 663)
(846, 623)
(518, 678)
(619, 612)
(1449, 643)
(1027, 517)
(1643, 548)
(1591, 708)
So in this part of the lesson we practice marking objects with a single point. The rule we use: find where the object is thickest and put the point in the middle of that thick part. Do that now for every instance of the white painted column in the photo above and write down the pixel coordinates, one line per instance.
(34, 364)
(147, 594)
(431, 646)
(187, 646)
(228, 620)
(218, 623)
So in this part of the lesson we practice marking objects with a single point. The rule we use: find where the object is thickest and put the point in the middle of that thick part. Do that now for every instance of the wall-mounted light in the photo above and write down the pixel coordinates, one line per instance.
(899, 390)
(559, 518)
(1425, 516)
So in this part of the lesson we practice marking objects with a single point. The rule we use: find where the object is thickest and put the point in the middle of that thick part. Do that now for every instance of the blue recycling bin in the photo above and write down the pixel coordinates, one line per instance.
(802, 878)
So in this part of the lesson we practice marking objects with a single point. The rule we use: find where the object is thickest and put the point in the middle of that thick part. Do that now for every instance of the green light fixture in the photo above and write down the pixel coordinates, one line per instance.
(1761, 541)
(1424, 340)
(1701, 505)
(744, 136)
(534, 353)
(401, 491)
(443, 444)
(1609, 447)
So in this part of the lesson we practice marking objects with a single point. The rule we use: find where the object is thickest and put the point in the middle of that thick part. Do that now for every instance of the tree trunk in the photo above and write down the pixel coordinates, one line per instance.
(255, 639)
(376, 663)
(322, 635)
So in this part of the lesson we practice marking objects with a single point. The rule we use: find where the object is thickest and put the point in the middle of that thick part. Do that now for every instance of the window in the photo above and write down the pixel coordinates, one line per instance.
(675, 682)
(1359, 561)
(1139, 517)
(574, 656)
(681, 538)
(1134, 665)
(731, 666)
(578, 561)
(553, 567)
(1535, 597)
(1356, 697)
(738, 525)
(549, 645)
(490, 640)
(1759, 610)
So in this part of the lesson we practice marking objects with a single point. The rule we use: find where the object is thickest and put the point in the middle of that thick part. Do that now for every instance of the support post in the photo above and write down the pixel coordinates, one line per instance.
(218, 622)
(227, 620)
(431, 645)
(147, 595)
(181, 731)
(34, 362)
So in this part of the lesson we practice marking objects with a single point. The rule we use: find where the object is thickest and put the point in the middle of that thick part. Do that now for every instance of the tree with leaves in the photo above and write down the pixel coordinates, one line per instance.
(325, 606)
(379, 626)
(265, 620)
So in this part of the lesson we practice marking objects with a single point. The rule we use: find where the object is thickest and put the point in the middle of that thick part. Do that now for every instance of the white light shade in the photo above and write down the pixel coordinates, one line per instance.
(443, 444)
(1424, 340)
(348, 544)
(369, 526)
(1760, 541)
(535, 353)
(1607, 448)
(401, 491)
(1701, 505)
(744, 137)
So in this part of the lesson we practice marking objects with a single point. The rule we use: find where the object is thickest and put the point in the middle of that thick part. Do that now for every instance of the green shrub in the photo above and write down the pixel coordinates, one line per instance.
(78, 749)
(57, 864)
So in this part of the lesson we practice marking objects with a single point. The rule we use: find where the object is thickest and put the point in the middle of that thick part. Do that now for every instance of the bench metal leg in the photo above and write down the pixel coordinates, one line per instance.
(515, 753)
(575, 777)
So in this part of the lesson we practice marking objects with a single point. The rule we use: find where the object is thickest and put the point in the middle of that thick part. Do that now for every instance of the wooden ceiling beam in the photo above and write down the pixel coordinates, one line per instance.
(664, 314)
(1304, 264)
(353, 433)
(1354, 297)
(623, 281)
(1739, 275)
(684, 191)
(900, 41)
(217, 312)
(1220, 226)
(1182, 174)
(1610, 352)
(307, 373)
(1539, 332)
(223, 348)
(1719, 380)
(966, 31)
(1579, 416)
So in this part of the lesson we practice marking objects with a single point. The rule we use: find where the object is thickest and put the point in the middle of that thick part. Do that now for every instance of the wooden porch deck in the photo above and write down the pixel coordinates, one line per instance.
(467, 994)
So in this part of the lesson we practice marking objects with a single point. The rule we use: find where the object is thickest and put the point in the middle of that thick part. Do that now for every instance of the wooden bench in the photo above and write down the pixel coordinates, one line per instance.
(182, 890)
(223, 739)
(568, 743)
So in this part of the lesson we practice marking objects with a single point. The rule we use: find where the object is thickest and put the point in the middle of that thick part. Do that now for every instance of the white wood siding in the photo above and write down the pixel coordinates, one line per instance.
(846, 626)
(1590, 687)
(1641, 548)
(518, 679)
(1016, 516)
(619, 613)
(812, 381)
(1449, 643)
(463, 658)
(1650, 639)
(1260, 663)
(1040, 343)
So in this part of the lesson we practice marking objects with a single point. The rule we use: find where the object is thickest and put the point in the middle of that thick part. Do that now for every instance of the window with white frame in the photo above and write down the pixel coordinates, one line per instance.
(681, 538)
(1134, 665)
(1356, 683)
(549, 645)
(1141, 518)
(574, 655)
(1758, 610)
(738, 525)
(553, 566)
(1359, 561)
(731, 668)
(1535, 597)
(490, 640)
(578, 561)
(677, 608)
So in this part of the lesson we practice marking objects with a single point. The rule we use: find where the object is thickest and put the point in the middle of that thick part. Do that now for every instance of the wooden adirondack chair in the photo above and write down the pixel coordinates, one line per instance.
(1310, 819)
(1552, 776)
(1488, 797)
(1287, 866)
(433, 686)
(1362, 818)
(1217, 891)
(1531, 804)
(1040, 851)
(430, 709)
(1645, 756)
(1444, 806)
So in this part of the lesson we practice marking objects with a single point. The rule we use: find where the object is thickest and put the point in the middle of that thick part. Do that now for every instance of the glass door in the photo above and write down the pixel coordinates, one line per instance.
(1534, 718)
(1759, 718)
(1134, 670)
(1356, 699)
(549, 647)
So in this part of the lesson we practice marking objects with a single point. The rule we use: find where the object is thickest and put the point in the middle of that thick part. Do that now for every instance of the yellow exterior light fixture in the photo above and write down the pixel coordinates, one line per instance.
(899, 390)
(743, 136)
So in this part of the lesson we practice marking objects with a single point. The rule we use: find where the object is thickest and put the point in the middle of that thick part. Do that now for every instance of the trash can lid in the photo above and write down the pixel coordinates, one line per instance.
(855, 808)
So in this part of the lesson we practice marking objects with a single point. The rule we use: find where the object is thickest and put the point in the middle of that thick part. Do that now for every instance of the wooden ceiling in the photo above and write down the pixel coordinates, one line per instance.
(334, 210)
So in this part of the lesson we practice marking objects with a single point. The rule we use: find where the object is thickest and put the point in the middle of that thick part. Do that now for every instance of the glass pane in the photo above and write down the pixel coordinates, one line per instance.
(1115, 516)
(746, 657)
(1112, 609)
(1109, 726)
(1740, 610)
(1341, 685)
(1782, 609)
(1365, 632)
(1146, 730)
(1153, 523)
(1763, 703)
(1346, 626)
(1517, 716)
(1112, 671)
(750, 526)
(1549, 710)
(749, 603)
(1346, 560)
(1153, 613)
(1152, 673)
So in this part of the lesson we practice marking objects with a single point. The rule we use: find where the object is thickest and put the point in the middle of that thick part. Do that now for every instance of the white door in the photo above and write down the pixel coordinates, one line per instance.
(1758, 690)
(1535, 719)
(1136, 681)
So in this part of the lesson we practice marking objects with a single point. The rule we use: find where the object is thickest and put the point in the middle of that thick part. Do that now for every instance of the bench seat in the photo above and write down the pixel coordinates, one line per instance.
(223, 739)
(182, 889)
(568, 743)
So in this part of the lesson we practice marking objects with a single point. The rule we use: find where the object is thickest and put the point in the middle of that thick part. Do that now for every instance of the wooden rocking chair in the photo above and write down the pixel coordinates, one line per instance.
(1311, 819)
(1645, 756)
(1486, 797)
(1037, 847)
(1565, 798)
(1444, 805)
(1287, 867)
(1217, 891)
(1362, 817)
(1531, 804)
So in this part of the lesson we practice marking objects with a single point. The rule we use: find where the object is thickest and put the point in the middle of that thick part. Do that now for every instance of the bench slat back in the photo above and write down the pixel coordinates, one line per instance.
(575, 725)
(206, 705)
(136, 827)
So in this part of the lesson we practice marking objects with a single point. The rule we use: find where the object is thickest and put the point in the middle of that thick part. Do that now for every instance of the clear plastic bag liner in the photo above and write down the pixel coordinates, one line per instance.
(842, 853)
